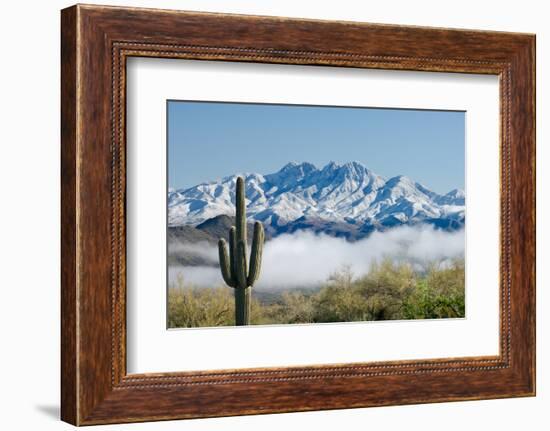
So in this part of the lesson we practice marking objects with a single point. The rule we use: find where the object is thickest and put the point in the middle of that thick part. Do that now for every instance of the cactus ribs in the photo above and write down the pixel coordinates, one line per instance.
(235, 271)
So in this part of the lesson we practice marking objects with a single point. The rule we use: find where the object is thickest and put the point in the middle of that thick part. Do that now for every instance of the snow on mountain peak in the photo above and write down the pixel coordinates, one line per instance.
(335, 193)
(290, 173)
(456, 194)
(454, 197)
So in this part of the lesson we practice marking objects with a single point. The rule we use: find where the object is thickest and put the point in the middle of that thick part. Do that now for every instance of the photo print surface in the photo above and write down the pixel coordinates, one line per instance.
(297, 214)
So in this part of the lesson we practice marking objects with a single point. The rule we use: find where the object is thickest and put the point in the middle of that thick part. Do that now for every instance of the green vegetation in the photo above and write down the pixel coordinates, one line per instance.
(235, 271)
(389, 291)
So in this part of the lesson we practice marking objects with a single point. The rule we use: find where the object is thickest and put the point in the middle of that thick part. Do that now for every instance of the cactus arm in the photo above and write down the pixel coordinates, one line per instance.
(240, 265)
(224, 263)
(256, 254)
(234, 265)
(240, 204)
(232, 252)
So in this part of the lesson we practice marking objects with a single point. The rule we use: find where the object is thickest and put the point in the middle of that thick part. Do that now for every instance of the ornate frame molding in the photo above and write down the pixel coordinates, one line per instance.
(96, 41)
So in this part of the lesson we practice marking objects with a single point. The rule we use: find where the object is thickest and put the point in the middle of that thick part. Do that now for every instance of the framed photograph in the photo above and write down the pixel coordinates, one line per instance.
(265, 215)
(328, 244)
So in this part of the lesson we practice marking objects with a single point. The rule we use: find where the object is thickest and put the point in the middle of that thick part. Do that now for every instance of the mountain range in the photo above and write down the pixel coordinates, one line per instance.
(347, 200)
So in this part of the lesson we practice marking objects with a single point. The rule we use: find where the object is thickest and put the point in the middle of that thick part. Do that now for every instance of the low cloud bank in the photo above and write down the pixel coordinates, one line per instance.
(202, 250)
(305, 259)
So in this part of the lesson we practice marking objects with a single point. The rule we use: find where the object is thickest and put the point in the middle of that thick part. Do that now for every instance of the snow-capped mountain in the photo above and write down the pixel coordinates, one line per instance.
(301, 194)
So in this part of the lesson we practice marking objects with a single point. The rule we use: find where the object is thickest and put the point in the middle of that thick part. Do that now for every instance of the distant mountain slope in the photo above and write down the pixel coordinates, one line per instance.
(218, 227)
(345, 200)
(210, 231)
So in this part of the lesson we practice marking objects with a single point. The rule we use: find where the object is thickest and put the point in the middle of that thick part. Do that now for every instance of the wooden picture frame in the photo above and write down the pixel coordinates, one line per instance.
(95, 43)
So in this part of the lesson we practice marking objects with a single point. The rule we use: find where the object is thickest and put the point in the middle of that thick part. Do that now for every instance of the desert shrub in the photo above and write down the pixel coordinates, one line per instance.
(259, 314)
(393, 290)
(191, 307)
(385, 287)
(340, 300)
(297, 308)
(390, 290)
(440, 294)
(194, 307)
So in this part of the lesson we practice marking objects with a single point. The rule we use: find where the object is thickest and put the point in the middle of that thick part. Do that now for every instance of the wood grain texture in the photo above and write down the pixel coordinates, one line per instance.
(96, 41)
(69, 397)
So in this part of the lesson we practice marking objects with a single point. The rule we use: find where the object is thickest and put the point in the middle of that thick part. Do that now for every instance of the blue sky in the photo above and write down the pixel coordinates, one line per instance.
(210, 140)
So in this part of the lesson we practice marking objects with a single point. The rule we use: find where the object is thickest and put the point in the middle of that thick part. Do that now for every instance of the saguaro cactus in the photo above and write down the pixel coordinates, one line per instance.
(235, 271)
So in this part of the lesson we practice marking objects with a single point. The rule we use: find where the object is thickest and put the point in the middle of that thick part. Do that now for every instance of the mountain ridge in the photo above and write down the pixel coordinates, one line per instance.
(343, 195)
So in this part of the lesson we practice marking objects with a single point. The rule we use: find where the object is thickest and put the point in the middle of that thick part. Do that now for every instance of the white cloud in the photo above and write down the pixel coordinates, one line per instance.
(202, 276)
(307, 259)
(201, 249)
